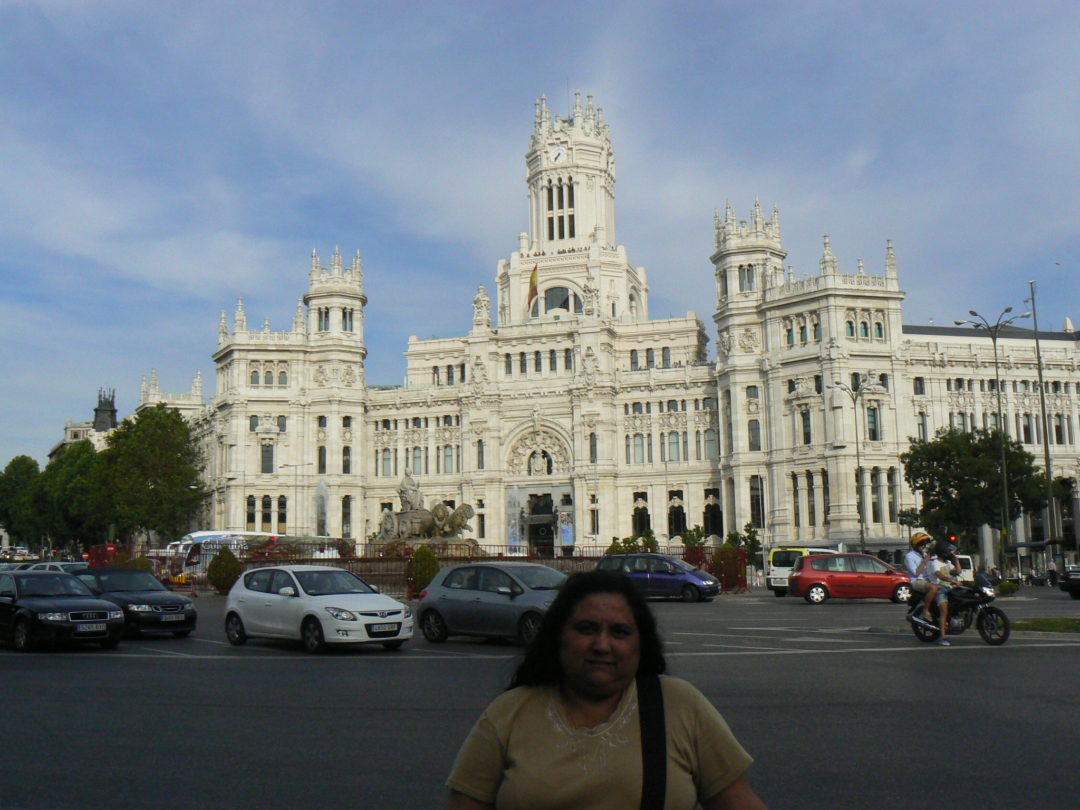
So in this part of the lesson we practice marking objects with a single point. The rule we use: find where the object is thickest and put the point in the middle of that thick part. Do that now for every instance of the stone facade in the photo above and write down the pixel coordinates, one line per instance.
(568, 414)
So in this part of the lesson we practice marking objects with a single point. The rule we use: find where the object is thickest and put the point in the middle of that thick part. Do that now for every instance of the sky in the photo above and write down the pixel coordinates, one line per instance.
(160, 160)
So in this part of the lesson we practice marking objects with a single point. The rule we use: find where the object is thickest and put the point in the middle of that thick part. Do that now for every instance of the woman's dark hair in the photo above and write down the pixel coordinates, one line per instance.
(541, 663)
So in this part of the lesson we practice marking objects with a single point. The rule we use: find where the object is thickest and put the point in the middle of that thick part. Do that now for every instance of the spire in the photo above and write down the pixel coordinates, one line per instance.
(266, 324)
(222, 328)
(718, 227)
(729, 217)
(335, 261)
(890, 259)
(577, 108)
(298, 318)
(757, 218)
(154, 382)
(142, 389)
(590, 110)
(1068, 325)
(545, 114)
(196, 387)
(358, 269)
(828, 262)
(775, 222)
(240, 319)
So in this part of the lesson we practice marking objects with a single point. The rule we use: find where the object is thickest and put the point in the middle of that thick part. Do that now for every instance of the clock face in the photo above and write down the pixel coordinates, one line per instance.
(558, 154)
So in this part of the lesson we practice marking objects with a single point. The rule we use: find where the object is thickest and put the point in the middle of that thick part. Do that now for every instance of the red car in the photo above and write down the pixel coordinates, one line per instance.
(848, 576)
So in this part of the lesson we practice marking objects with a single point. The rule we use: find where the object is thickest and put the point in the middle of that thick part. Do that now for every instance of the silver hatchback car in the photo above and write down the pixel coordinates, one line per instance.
(496, 600)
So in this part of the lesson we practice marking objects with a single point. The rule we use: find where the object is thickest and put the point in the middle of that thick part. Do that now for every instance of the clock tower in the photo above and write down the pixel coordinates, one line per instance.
(571, 177)
(579, 268)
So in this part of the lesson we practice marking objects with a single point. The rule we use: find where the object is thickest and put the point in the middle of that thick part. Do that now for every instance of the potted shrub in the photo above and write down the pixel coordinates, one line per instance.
(224, 570)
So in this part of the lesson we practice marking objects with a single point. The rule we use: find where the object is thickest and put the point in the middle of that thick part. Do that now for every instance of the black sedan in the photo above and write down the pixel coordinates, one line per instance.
(50, 606)
(148, 605)
(1070, 581)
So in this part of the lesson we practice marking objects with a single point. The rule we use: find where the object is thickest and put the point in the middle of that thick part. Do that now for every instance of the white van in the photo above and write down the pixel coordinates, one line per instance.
(780, 560)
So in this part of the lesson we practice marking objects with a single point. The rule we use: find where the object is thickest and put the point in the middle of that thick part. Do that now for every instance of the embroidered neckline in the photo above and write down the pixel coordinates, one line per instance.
(591, 745)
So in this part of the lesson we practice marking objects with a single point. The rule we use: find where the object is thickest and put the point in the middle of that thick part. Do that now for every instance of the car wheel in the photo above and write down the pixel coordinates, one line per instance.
(690, 593)
(779, 592)
(312, 636)
(434, 627)
(234, 630)
(528, 627)
(21, 637)
(902, 593)
(816, 594)
(393, 645)
(181, 633)
(111, 642)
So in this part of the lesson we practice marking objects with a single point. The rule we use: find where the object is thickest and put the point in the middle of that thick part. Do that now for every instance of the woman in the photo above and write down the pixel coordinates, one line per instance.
(567, 733)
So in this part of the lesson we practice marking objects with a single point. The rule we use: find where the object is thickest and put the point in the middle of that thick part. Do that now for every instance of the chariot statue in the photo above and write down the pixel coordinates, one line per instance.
(415, 525)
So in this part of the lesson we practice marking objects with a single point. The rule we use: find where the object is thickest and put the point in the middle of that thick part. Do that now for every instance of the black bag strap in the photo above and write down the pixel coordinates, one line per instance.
(653, 742)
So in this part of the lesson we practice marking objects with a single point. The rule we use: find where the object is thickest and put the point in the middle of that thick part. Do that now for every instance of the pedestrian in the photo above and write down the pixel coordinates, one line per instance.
(589, 720)
(1052, 572)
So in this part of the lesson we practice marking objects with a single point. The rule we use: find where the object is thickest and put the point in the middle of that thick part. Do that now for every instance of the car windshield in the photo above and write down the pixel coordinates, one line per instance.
(683, 564)
(51, 585)
(127, 581)
(540, 578)
(322, 583)
(785, 559)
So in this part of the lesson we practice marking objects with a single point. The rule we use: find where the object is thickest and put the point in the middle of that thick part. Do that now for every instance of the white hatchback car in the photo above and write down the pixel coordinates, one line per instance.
(317, 604)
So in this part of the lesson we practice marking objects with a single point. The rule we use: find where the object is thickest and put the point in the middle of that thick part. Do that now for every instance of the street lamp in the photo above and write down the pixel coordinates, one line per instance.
(992, 330)
(855, 392)
(1051, 523)
(296, 492)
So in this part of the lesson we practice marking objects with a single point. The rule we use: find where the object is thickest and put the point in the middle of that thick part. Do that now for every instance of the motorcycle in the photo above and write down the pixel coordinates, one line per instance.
(967, 604)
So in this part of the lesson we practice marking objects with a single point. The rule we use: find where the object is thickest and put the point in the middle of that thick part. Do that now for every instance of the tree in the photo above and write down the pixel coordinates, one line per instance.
(74, 498)
(958, 474)
(152, 466)
(18, 511)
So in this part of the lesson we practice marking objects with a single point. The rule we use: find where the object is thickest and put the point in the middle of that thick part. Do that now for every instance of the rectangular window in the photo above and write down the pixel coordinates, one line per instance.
(523, 363)
(481, 525)
(568, 359)
(921, 424)
(346, 516)
(267, 459)
(321, 467)
(806, 432)
(508, 365)
(757, 502)
(592, 448)
(346, 460)
(873, 424)
(479, 454)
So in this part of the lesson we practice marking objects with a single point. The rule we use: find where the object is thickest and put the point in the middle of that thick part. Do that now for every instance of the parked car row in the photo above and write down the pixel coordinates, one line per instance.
(46, 606)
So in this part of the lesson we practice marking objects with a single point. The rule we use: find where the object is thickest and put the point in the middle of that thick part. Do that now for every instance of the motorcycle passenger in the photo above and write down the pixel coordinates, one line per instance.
(917, 563)
(944, 566)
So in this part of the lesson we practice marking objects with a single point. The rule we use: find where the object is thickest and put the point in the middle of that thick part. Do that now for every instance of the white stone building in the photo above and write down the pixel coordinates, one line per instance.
(568, 415)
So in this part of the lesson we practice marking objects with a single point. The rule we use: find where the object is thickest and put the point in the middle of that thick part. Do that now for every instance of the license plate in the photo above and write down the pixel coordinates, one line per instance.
(383, 628)
(90, 628)
(173, 617)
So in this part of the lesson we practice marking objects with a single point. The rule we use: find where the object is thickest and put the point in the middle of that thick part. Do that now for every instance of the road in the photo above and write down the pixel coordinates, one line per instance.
(838, 703)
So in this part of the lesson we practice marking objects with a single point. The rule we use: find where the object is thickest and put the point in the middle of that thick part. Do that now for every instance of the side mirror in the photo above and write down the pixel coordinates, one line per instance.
(374, 588)
(505, 590)
(288, 590)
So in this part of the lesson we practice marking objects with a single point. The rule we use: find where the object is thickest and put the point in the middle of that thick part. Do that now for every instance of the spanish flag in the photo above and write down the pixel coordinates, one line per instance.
(534, 290)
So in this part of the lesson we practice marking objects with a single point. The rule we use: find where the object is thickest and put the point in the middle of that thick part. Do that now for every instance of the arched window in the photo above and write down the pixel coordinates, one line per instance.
(436, 378)
(634, 364)
(254, 377)
(561, 298)
(849, 328)
(817, 330)
(281, 423)
(864, 329)
(268, 378)
(879, 330)
(673, 446)
(267, 512)
(665, 357)
(639, 448)
(253, 423)
(282, 514)
(790, 337)
(283, 378)
(802, 334)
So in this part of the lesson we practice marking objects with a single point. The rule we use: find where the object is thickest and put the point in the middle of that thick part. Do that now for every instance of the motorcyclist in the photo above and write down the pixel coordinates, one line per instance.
(917, 563)
(944, 567)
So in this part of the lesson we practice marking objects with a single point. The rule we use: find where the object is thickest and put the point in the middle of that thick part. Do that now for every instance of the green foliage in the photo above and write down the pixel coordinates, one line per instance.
(958, 475)
(421, 568)
(1007, 588)
(74, 499)
(152, 469)
(693, 537)
(224, 570)
(20, 513)
(747, 539)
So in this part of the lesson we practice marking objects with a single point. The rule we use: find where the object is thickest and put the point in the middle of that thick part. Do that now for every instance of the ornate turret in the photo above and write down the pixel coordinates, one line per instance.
(105, 412)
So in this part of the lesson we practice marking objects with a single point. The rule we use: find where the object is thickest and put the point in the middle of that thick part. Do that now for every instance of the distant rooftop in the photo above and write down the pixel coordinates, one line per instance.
(1012, 332)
